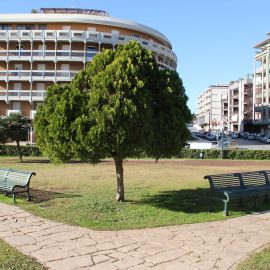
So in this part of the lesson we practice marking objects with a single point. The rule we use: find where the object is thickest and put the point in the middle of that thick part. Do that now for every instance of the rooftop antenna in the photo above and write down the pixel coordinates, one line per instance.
(72, 5)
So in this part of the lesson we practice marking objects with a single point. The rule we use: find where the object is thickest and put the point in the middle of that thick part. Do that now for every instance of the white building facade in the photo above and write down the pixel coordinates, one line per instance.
(209, 107)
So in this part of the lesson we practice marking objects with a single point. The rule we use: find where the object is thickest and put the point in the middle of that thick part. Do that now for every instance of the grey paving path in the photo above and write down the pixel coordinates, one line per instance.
(212, 245)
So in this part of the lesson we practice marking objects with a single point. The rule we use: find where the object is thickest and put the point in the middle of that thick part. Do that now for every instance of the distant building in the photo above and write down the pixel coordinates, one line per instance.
(261, 114)
(209, 107)
(237, 104)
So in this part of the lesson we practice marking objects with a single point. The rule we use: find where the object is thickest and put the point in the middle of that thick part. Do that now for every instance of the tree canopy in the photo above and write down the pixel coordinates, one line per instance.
(120, 106)
(15, 128)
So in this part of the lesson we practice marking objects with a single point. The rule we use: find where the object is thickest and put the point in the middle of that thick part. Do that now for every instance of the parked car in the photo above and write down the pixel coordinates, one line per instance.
(204, 134)
(259, 136)
(199, 134)
(265, 139)
(209, 136)
(251, 136)
(214, 138)
(244, 135)
(235, 136)
(228, 145)
(220, 136)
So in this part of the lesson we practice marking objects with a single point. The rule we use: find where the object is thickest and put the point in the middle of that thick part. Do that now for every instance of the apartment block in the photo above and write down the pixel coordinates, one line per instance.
(209, 107)
(261, 114)
(237, 104)
(40, 49)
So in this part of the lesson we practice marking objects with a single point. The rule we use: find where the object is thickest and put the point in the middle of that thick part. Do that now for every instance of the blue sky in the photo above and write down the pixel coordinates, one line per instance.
(213, 39)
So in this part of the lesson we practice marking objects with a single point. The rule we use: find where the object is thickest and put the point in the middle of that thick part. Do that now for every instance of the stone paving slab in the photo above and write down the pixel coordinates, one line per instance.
(211, 245)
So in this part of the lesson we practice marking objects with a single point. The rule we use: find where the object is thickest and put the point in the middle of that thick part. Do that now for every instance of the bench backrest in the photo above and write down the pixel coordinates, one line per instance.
(17, 177)
(3, 173)
(227, 181)
(251, 179)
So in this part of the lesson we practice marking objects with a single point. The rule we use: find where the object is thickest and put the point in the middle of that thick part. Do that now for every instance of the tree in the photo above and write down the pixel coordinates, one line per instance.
(3, 137)
(15, 127)
(121, 106)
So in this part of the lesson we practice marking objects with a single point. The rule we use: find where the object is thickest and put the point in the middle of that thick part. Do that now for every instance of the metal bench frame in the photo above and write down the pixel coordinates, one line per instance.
(238, 185)
(11, 180)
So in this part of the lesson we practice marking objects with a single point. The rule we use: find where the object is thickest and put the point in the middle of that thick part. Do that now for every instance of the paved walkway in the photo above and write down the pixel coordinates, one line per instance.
(212, 245)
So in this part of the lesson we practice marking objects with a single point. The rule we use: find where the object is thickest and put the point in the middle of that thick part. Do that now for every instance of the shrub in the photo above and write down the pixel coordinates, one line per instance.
(12, 150)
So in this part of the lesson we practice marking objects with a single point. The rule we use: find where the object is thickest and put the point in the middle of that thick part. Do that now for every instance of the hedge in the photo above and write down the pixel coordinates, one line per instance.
(227, 154)
(27, 150)
(12, 150)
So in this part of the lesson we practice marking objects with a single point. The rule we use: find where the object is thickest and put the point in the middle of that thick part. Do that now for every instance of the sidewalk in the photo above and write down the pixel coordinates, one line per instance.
(212, 245)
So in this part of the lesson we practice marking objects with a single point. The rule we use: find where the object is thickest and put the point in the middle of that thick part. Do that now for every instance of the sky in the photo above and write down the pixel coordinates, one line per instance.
(213, 39)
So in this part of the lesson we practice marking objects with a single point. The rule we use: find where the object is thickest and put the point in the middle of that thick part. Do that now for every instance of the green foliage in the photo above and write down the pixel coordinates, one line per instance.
(14, 127)
(12, 150)
(227, 154)
(121, 105)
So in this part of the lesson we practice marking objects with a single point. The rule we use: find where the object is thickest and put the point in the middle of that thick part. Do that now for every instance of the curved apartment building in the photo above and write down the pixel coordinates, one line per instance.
(40, 49)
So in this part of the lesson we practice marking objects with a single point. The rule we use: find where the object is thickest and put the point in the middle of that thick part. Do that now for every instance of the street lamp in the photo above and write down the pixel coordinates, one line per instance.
(223, 121)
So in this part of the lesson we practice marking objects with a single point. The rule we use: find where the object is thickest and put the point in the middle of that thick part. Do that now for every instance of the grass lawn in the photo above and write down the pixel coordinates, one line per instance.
(11, 259)
(256, 261)
(170, 192)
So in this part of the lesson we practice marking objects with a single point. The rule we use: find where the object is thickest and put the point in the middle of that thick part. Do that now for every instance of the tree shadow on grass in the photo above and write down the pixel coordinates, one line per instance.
(39, 195)
(197, 201)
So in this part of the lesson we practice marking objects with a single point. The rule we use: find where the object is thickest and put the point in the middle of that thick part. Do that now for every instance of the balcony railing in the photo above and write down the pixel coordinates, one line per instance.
(49, 75)
(9, 112)
(85, 36)
(35, 95)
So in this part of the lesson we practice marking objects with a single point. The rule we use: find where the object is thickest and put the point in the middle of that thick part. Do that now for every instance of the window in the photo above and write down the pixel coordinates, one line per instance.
(91, 49)
(64, 66)
(18, 66)
(92, 29)
(25, 27)
(17, 47)
(136, 36)
(66, 28)
(41, 66)
(5, 26)
(42, 27)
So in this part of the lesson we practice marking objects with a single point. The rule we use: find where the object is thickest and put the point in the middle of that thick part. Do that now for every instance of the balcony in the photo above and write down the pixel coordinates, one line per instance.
(23, 95)
(84, 36)
(9, 112)
(234, 118)
(32, 114)
(37, 75)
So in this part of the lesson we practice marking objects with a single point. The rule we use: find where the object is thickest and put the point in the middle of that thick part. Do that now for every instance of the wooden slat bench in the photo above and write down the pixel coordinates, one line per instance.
(238, 185)
(15, 181)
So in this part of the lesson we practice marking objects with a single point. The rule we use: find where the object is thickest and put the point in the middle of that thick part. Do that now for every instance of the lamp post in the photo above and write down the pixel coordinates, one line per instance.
(223, 120)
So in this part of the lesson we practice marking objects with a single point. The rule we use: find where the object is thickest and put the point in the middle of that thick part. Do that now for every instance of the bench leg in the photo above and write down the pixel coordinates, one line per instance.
(255, 206)
(211, 208)
(225, 212)
(265, 199)
(240, 203)
(14, 198)
(6, 193)
(28, 196)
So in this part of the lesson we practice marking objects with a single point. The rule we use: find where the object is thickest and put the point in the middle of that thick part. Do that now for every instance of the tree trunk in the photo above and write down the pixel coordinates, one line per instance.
(19, 150)
(120, 179)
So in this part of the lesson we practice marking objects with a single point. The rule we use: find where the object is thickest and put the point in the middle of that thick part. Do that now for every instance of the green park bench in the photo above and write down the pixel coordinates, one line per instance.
(15, 181)
(226, 187)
